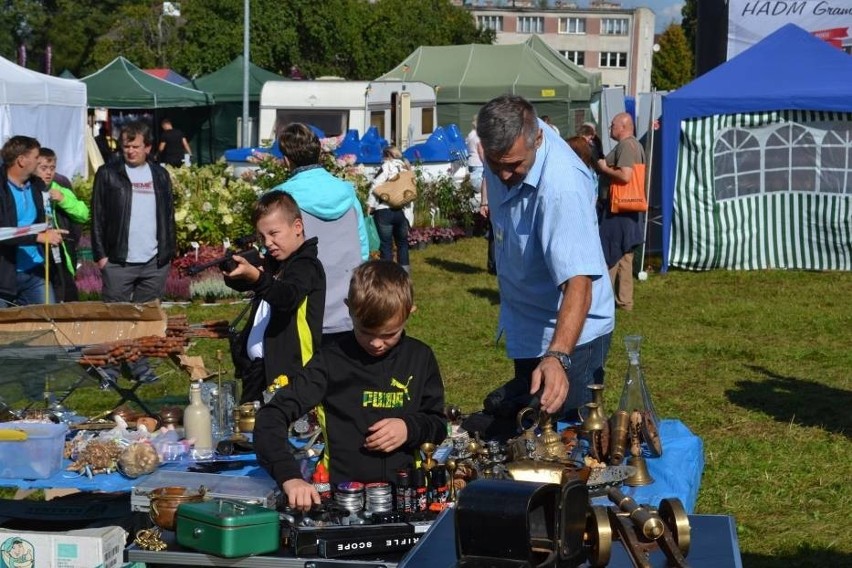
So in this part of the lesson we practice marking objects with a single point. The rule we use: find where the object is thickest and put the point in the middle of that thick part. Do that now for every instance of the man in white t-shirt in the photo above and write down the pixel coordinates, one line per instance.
(133, 225)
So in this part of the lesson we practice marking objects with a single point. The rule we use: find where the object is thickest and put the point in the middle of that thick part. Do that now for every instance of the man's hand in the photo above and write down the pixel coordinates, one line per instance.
(57, 195)
(551, 373)
(301, 495)
(386, 435)
(102, 262)
(244, 270)
(52, 236)
(602, 167)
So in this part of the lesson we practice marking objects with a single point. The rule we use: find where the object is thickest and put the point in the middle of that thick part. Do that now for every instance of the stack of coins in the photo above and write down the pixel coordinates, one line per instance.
(379, 497)
(350, 496)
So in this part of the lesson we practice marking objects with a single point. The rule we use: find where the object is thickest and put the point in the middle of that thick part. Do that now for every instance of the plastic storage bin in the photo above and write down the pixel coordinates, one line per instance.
(37, 457)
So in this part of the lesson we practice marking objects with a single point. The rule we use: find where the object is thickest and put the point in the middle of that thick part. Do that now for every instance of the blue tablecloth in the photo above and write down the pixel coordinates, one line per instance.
(115, 482)
(676, 474)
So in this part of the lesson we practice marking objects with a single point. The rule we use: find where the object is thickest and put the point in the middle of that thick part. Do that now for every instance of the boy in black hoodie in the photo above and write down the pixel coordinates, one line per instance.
(285, 323)
(380, 393)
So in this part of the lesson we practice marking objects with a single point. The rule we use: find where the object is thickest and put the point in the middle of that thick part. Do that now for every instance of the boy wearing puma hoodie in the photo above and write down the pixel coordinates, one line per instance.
(379, 391)
(332, 213)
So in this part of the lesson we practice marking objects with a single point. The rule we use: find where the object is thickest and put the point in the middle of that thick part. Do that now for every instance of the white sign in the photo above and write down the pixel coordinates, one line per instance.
(749, 21)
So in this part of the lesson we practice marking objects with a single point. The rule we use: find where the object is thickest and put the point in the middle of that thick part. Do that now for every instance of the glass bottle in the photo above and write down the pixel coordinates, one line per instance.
(635, 396)
(197, 422)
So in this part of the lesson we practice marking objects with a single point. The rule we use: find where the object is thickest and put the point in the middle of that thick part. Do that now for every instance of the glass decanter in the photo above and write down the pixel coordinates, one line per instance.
(636, 398)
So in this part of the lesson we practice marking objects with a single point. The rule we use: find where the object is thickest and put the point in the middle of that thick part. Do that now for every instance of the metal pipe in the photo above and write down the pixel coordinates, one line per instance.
(246, 62)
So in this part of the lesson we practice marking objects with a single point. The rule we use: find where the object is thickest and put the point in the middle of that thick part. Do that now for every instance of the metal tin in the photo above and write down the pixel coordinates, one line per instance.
(228, 528)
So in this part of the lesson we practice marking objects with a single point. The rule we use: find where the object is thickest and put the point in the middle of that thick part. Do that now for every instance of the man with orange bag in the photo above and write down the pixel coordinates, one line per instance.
(620, 232)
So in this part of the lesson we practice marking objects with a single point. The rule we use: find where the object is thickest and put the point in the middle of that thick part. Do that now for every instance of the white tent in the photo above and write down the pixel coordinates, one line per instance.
(51, 109)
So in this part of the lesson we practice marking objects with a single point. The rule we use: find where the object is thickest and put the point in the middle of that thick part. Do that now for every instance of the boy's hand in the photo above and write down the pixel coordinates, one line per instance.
(386, 435)
(57, 195)
(244, 270)
(301, 495)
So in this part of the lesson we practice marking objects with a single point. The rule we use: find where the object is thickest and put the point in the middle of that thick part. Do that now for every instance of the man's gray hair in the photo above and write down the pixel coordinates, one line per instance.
(502, 120)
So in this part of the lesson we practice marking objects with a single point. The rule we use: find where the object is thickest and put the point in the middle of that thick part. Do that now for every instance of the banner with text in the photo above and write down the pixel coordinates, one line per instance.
(749, 21)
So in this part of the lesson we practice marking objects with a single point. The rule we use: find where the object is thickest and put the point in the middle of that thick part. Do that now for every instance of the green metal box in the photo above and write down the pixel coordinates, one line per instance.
(228, 528)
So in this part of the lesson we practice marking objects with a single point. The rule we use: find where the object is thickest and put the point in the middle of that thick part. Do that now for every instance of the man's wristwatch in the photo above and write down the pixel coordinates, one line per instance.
(563, 358)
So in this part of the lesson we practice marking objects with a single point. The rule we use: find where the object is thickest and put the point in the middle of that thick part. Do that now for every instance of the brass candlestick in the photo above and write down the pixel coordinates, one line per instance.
(451, 466)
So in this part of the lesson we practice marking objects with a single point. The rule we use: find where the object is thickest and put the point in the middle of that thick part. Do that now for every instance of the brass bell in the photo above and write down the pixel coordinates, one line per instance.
(642, 476)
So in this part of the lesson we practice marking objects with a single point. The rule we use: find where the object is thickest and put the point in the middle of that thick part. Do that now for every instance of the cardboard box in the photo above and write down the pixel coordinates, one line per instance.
(83, 323)
(87, 548)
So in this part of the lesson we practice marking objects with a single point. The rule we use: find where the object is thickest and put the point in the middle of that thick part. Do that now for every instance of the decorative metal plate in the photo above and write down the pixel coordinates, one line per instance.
(610, 476)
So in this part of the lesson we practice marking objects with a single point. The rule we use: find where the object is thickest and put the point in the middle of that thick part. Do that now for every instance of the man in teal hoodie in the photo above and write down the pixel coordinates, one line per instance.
(332, 213)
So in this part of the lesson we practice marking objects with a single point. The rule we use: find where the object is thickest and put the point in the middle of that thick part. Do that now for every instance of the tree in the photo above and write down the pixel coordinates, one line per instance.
(673, 63)
(22, 22)
(690, 22)
(76, 26)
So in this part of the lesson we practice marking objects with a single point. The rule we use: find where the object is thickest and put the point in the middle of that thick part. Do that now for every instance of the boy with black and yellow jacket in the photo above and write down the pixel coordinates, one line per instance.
(285, 323)
(379, 392)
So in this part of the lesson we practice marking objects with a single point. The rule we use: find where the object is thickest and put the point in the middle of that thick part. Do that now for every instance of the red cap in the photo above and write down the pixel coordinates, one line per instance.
(320, 474)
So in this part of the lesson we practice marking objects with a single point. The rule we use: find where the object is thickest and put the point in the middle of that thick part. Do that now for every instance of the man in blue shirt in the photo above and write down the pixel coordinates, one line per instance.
(557, 307)
(22, 273)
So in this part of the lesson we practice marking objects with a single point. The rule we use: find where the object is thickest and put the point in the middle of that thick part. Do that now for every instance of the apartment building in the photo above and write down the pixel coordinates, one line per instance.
(605, 37)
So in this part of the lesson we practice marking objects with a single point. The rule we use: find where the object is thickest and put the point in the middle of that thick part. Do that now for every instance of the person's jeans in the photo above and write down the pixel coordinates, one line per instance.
(587, 367)
(31, 288)
(392, 226)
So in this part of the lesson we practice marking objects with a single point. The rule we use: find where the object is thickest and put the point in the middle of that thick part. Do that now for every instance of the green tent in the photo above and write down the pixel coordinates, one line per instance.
(467, 76)
(226, 85)
(122, 85)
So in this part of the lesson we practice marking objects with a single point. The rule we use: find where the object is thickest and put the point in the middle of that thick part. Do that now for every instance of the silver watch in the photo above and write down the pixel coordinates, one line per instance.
(563, 358)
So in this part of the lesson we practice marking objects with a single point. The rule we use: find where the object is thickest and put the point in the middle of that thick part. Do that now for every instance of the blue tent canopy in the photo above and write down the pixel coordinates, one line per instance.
(789, 70)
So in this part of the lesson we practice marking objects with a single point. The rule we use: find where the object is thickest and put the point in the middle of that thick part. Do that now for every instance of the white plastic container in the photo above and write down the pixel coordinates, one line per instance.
(38, 457)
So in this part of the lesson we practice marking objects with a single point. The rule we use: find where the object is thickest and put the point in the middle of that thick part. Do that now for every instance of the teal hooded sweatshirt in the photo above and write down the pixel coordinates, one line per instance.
(326, 197)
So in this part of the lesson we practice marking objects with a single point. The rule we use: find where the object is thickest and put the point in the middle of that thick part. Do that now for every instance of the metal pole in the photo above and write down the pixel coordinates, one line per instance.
(649, 160)
(246, 142)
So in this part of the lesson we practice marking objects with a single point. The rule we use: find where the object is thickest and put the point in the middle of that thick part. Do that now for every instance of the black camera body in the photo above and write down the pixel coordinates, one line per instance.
(226, 262)
(252, 256)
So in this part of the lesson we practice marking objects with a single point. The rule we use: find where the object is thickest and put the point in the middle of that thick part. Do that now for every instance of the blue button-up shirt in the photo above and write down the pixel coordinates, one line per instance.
(546, 232)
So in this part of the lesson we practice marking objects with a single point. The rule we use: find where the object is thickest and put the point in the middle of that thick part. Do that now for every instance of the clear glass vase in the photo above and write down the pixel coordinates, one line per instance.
(636, 398)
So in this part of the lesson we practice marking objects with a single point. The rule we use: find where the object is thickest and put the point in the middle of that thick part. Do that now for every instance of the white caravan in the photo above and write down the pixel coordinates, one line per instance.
(404, 112)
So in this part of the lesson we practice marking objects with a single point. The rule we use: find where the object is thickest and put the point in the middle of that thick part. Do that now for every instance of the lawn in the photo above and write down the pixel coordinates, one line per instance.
(756, 363)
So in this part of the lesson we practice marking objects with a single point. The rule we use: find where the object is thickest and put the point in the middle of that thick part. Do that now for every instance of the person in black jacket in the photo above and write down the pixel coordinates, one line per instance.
(22, 275)
(380, 391)
(285, 324)
(133, 226)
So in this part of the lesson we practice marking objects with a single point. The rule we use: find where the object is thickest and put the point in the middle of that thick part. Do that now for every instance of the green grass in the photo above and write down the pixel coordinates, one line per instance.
(756, 363)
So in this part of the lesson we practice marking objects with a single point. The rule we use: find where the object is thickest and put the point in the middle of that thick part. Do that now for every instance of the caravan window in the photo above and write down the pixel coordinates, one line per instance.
(377, 119)
(428, 120)
(331, 122)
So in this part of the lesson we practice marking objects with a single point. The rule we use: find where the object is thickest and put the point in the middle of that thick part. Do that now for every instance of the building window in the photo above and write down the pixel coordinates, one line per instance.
(572, 25)
(575, 57)
(614, 26)
(530, 25)
(616, 59)
(490, 23)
